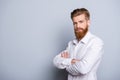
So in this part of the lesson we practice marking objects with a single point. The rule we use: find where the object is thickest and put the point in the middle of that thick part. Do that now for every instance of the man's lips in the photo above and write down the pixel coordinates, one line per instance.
(80, 29)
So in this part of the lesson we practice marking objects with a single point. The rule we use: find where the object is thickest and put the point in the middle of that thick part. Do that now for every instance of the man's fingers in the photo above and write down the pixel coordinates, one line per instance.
(62, 55)
(65, 54)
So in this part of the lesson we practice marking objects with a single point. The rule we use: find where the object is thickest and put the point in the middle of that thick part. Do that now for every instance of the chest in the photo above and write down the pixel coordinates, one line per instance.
(79, 51)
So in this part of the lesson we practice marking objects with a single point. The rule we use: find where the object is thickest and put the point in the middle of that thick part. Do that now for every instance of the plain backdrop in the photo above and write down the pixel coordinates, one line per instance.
(32, 32)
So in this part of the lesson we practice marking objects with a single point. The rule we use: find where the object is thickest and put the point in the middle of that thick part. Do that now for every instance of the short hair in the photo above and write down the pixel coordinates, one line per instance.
(80, 11)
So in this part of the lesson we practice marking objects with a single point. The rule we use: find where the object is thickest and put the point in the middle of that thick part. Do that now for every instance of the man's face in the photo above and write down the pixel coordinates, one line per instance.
(80, 26)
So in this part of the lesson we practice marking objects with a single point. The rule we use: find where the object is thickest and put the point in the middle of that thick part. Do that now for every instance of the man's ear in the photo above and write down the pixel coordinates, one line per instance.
(88, 22)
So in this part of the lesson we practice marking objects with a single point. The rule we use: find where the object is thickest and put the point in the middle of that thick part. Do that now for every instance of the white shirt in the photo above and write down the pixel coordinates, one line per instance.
(89, 51)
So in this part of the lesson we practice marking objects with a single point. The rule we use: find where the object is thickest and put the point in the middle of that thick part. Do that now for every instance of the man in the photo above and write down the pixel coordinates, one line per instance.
(83, 54)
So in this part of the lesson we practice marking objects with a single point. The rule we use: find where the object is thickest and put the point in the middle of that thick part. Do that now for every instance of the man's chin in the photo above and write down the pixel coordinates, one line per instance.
(79, 32)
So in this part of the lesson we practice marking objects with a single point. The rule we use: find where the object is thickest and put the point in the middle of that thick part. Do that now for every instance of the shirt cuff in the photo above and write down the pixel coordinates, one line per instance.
(67, 62)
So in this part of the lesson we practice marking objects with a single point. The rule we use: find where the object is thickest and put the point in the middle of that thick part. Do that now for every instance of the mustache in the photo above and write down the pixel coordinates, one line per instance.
(79, 29)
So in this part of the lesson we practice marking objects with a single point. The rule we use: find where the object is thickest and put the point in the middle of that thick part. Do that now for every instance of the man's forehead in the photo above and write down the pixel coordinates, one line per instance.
(79, 17)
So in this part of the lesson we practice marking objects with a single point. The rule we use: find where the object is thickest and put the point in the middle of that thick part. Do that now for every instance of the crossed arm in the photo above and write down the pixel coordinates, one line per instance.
(67, 55)
(83, 66)
(63, 60)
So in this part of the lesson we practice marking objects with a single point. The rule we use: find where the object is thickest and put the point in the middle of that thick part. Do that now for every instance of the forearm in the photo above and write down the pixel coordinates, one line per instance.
(74, 67)
(61, 62)
(78, 68)
(83, 66)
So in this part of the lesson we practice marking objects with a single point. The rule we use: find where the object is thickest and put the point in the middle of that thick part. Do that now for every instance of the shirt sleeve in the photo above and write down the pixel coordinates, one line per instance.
(61, 62)
(91, 58)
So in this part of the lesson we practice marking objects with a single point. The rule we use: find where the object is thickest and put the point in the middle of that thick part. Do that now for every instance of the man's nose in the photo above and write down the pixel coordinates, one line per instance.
(78, 25)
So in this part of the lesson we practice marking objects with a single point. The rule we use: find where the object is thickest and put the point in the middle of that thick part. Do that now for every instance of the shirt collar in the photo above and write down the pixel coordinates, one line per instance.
(84, 40)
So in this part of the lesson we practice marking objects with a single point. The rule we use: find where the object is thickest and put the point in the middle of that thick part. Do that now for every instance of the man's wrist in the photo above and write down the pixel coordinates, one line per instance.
(73, 61)
(67, 61)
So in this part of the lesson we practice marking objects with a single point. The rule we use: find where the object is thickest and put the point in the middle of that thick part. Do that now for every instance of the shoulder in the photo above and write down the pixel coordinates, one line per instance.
(97, 40)
(72, 42)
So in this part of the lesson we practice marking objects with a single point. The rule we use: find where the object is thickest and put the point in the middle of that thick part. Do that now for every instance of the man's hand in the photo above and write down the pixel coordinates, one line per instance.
(74, 61)
(65, 54)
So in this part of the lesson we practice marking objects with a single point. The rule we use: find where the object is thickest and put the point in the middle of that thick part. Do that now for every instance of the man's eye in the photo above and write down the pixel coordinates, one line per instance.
(81, 21)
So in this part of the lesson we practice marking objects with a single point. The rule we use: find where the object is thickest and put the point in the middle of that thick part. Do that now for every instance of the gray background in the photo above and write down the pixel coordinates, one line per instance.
(32, 32)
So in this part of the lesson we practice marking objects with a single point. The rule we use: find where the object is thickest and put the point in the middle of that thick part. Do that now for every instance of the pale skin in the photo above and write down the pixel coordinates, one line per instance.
(80, 22)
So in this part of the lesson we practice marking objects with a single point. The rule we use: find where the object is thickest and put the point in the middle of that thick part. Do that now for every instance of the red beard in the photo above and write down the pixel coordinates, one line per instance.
(80, 34)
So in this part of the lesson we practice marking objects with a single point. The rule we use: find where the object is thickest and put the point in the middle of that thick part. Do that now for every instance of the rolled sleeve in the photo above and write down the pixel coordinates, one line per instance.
(61, 63)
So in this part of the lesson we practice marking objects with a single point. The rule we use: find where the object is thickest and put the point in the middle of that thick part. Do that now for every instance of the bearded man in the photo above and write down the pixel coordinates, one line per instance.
(83, 54)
